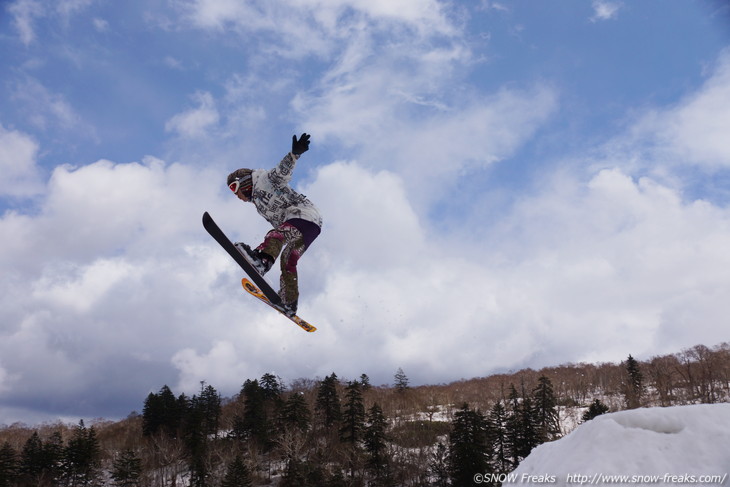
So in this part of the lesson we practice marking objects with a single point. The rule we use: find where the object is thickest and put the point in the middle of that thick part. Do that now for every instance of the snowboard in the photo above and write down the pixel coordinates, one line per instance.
(258, 286)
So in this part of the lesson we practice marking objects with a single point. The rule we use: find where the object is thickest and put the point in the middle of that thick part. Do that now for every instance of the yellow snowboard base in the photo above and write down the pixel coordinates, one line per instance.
(253, 290)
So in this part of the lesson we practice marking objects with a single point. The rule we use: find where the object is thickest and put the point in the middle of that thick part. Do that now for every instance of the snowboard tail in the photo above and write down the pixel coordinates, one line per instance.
(256, 292)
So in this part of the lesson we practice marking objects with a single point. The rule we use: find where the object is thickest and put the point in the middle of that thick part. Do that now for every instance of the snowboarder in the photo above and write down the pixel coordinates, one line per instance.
(296, 221)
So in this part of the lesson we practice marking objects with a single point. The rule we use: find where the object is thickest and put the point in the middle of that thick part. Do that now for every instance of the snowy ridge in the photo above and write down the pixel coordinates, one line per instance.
(674, 445)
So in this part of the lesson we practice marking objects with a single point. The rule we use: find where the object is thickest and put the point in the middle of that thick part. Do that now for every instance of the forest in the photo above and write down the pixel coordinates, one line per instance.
(333, 432)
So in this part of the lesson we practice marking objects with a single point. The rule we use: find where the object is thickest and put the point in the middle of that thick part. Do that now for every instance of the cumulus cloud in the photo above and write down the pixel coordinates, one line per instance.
(358, 205)
(616, 253)
(222, 366)
(79, 288)
(582, 262)
(579, 271)
(94, 270)
(19, 173)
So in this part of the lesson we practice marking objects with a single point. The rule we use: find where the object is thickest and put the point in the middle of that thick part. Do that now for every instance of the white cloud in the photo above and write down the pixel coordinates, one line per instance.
(67, 8)
(101, 25)
(429, 147)
(292, 30)
(88, 279)
(607, 259)
(80, 288)
(25, 12)
(45, 109)
(421, 14)
(358, 205)
(406, 106)
(223, 366)
(583, 270)
(490, 5)
(195, 122)
(605, 10)
(19, 174)
(172, 63)
(695, 130)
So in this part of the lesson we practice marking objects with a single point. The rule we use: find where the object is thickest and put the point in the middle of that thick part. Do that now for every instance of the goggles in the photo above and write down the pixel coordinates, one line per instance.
(243, 183)
(235, 185)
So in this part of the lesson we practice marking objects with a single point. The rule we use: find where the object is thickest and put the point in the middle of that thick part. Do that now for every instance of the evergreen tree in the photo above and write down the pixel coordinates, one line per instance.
(9, 465)
(237, 474)
(513, 427)
(438, 468)
(376, 445)
(469, 450)
(127, 469)
(521, 426)
(201, 420)
(172, 412)
(295, 413)
(255, 422)
(528, 425)
(352, 427)
(595, 409)
(33, 459)
(401, 381)
(53, 451)
(162, 413)
(40, 463)
(151, 415)
(353, 417)
(179, 409)
(210, 405)
(81, 458)
(328, 402)
(365, 382)
(634, 385)
(271, 387)
(498, 439)
(545, 411)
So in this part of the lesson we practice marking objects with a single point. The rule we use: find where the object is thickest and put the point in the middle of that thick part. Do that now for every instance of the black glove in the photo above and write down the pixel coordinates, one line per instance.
(300, 146)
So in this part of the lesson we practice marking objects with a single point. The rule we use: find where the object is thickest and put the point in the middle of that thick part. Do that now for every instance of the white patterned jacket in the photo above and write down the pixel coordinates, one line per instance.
(275, 200)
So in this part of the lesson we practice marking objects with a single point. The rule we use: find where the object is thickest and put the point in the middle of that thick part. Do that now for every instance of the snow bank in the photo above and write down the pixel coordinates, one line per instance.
(653, 446)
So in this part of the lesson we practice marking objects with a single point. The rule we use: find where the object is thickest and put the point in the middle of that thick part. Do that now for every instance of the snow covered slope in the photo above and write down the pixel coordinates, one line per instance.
(653, 446)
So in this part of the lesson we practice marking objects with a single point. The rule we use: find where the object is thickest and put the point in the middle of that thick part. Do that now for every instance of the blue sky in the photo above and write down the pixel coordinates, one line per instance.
(504, 184)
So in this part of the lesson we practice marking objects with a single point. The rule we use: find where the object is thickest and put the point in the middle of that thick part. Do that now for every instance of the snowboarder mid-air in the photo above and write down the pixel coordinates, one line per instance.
(295, 219)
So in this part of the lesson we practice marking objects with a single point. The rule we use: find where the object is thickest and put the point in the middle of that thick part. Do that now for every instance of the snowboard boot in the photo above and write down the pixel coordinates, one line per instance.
(260, 261)
(290, 309)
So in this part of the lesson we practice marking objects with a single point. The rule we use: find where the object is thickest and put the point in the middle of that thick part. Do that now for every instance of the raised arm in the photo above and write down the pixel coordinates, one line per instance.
(281, 174)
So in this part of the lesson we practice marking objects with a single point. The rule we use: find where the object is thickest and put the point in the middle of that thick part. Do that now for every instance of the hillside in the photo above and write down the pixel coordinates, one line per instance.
(336, 432)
